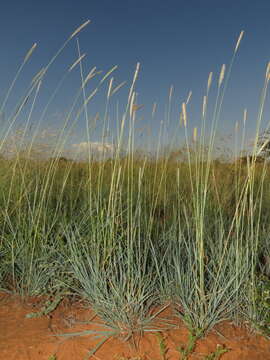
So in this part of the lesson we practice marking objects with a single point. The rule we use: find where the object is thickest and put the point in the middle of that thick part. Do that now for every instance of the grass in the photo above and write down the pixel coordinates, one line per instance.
(162, 346)
(188, 350)
(132, 232)
(184, 351)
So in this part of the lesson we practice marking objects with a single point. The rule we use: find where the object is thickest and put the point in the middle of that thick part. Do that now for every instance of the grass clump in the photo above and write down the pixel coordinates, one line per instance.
(130, 231)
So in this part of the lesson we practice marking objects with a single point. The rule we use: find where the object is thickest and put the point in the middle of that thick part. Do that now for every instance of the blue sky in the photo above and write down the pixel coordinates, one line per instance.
(177, 43)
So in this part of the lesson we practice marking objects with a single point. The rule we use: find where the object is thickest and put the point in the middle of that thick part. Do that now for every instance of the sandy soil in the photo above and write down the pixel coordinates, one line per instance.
(22, 338)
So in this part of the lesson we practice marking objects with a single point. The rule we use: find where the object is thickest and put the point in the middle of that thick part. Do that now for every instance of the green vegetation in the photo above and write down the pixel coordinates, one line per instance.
(52, 357)
(217, 354)
(188, 350)
(162, 346)
(132, 232)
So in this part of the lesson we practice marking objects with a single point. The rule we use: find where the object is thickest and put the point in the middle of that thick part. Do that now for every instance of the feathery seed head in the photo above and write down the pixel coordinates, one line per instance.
(108, 74)
(245, 117)
(38, 76)
(170, 93)
(29, 53)
(221, 76)
(118, 87)
(189, 97)
(204, 106)
(267, 74)
(184, 111)
(195, 132)
(79, 29)
(110, 88)
(238, 41)
(76, 62)
(209, 82)
(91, 74)
(133, 81)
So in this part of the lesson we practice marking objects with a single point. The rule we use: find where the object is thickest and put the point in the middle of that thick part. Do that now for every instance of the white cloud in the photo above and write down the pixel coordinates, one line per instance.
(97, 149)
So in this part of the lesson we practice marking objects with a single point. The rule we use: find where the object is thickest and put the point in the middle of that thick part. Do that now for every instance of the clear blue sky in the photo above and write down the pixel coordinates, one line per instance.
(177, 43)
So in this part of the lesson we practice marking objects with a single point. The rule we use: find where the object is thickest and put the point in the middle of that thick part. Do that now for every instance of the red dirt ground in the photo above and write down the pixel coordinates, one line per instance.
(32, 339)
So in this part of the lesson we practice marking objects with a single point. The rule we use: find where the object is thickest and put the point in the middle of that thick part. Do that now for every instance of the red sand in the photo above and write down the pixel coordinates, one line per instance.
(31, 339)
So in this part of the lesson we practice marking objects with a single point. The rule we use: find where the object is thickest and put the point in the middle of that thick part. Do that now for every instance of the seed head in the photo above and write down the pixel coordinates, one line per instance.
(29, 53)
(267, 75)
(184, 111)
(79, 29)
(189, 97)
(221, 76)
(76, 62)
(110, 88)
(195, 132)
(118, 87)
(245, 117)
(238, 41)
(204, 106)
(209, 82)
